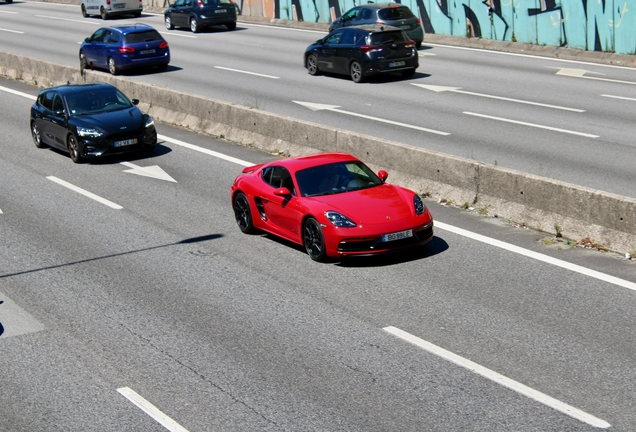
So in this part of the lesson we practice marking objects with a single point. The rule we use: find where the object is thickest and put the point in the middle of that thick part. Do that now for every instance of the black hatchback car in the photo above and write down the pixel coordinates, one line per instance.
(198, 14)
(363, 51)
(392, 14)
(90, 120)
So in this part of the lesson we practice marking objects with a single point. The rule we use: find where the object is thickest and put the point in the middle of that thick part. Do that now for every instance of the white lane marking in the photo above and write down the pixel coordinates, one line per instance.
(439, 89)
(153, 171)
(619, 97)
(11, 31)
(151, 410)
(319, 107)
(68, 19)
(18, 93)
(246, 72)
(167, 33)
(0, 211)
(500, 379)
(583, 134)
(281, 28)
(85, 193)
(538, 256)
(531, 56)
(204, 150)
(8, 12)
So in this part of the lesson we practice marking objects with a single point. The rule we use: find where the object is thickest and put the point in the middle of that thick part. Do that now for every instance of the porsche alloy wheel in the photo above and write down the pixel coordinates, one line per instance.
(73, 149)
(312, 64)
(356, 72)
(37, 136)
(313, 240)
(243, 214)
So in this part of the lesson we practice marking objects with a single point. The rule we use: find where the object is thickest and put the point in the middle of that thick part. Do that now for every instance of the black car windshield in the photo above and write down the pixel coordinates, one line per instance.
(335, 178)
(96, 101)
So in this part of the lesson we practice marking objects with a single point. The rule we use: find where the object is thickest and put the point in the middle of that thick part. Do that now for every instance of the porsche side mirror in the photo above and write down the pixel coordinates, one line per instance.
(383, 175)
(135, 101)
(282, 192)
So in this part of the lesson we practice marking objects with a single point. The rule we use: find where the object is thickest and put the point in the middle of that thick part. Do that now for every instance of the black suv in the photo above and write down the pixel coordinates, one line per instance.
(198, 14)
(363, 51)
(393, 14)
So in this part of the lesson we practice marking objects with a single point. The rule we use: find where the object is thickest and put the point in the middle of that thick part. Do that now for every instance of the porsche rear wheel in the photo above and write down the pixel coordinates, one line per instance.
(313, 240)
(243, 214)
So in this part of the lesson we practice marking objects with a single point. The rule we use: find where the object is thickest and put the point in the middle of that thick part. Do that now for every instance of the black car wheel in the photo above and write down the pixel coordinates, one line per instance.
(112, 66)
(243, 214)
(103, 13)
(37, 136)
(73, 149)
(84, 14)
(168, 21)
(194, 26)
(312, 64)
(313, 240)
(356, 72)
(137, 14)
(231, 26)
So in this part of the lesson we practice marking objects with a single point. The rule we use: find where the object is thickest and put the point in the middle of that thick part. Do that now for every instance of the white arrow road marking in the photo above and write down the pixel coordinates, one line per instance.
(440, 89)
(153, 171)
(85, 193)
(246, 72)
(532, 125)
(319, 107)
(500, 379)
(151, 410)
(580, 73)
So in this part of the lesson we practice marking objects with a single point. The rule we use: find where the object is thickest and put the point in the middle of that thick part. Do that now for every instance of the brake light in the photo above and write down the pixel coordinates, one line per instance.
(368, 48)
(410, 44)
(200, 3)
(108, 2)
(126, 49)
(417, 20)
(163, 45)
(379, 22)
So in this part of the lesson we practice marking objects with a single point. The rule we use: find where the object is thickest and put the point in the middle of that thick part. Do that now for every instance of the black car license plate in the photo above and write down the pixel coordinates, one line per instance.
(124, 143)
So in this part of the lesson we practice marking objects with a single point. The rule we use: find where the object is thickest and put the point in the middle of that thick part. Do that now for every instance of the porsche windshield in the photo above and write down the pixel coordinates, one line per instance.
(96, 101)
(335, 178)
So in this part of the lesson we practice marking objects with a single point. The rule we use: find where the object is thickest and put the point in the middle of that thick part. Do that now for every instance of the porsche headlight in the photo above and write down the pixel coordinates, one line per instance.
(419, 205)
(339, 220)
(149, 122)
(89, 132)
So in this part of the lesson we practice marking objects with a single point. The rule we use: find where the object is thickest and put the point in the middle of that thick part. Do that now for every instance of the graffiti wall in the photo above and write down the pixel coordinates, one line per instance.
(596, 25)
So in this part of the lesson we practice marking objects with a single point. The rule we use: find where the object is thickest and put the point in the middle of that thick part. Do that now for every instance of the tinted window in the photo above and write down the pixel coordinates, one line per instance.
(93, 101)
(98, 36)
(333, 38)
(384, 37)
(58, 105)
(278, 177)
(111, 37)
(348, 38)
(395, 13)
(146, 36)
(336, 178)
(46, 100)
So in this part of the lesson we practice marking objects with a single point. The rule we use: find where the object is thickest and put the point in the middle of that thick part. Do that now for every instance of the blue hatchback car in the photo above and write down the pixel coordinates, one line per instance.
(123, 47)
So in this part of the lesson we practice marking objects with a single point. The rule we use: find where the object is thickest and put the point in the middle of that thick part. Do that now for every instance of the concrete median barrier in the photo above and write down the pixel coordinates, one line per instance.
(546, 204)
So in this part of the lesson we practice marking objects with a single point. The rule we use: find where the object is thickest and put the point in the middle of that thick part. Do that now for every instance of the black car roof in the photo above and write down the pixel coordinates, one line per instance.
(67, 89)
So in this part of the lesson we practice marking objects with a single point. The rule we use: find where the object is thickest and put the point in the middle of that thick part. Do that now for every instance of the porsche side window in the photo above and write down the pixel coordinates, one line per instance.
(278, 177)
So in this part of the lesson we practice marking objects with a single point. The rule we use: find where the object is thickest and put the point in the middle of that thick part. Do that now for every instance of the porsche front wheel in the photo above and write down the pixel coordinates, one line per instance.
(243, 214)
(313, 240)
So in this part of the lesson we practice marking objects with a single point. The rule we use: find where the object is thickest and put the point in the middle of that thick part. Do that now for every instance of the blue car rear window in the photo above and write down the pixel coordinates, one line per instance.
(146, 36)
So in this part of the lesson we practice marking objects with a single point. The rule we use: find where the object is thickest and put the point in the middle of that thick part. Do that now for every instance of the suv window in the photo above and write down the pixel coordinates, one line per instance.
(388, 36)
(145, 36)
(46, 100)
(394, 13)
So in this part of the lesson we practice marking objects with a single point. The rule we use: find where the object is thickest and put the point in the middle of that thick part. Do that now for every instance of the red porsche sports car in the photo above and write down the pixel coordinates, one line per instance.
(330, 203)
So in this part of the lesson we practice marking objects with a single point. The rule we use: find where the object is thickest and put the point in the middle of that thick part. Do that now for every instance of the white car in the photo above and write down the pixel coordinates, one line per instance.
(109, 8)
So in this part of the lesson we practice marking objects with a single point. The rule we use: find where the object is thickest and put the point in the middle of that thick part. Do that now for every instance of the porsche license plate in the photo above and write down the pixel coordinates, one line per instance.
(123, 143)
(397, 235)
(397, 63)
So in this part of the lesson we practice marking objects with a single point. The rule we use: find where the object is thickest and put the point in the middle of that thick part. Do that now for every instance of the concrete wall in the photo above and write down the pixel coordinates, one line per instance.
(537, 202)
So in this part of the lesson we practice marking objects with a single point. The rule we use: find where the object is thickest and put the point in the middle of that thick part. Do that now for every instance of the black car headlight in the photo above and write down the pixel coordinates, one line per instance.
(149, 122)
(339, 220)
(419, 205)
(89, 132)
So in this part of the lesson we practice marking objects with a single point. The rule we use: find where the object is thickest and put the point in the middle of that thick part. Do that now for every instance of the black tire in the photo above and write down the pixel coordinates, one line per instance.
(312, 64)
(112, 66)
(313, 240)
(84, 14)
(408, 73)
(356, 72)
(168, 21)
(37, 135)
(73, 149)
(137, 14)
(418, 45)
(230, 26)
(194, 26)
(103, 13)
(243, 214)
